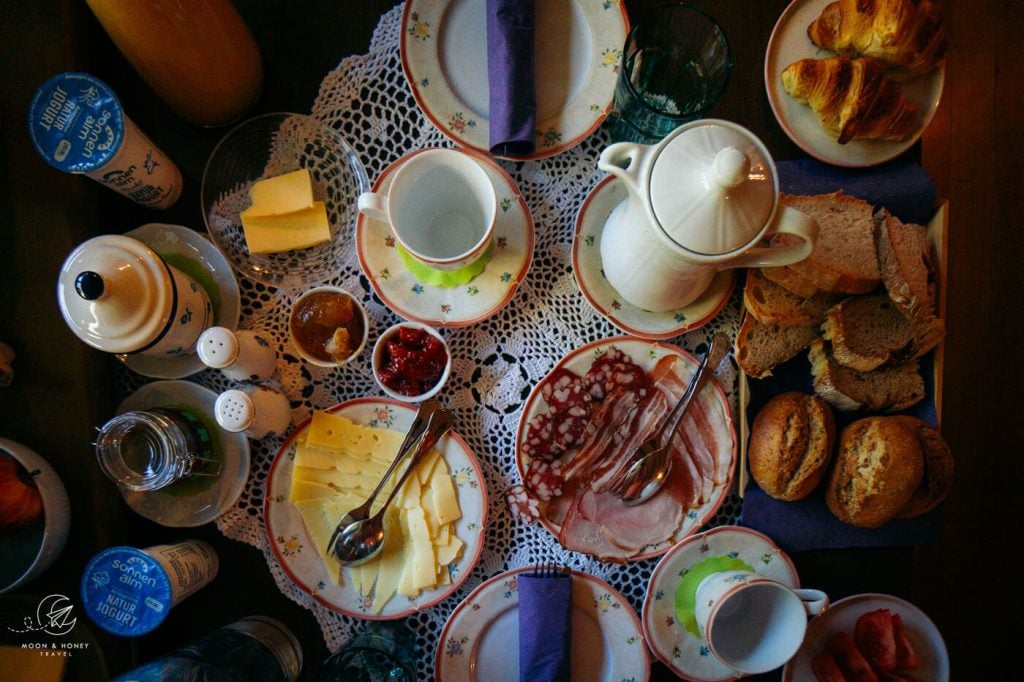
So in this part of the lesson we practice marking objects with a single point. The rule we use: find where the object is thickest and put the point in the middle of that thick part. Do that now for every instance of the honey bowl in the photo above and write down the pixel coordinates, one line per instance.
(328, 326)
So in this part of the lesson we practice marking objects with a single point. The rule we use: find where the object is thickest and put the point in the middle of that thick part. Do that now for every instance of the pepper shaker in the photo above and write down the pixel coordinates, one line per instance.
(260, 412)
(242, 355)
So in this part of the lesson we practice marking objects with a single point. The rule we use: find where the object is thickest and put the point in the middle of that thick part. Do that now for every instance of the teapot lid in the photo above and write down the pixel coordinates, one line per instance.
(713, 186)
(116, 294)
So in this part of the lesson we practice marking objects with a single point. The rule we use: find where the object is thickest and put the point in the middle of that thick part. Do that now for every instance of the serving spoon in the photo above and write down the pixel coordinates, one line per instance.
(651, 462)
(357, 540)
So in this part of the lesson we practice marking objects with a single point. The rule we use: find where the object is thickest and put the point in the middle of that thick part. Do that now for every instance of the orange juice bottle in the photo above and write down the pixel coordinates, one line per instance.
(197, 55)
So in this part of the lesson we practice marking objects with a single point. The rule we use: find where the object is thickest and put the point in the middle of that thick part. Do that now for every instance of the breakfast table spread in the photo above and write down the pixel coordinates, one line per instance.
(538, 307)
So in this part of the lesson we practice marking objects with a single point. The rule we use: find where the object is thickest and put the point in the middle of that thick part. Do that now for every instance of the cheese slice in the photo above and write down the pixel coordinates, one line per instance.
(389, 564)
(281, 194)
(445, 500)
(449, 552)
(424, 567)
(287, 232)
(310, 490)
(320, 517)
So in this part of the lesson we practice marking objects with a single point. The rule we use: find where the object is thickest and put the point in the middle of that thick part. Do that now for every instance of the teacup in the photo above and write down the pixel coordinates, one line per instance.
(751, 623)
(441, 205)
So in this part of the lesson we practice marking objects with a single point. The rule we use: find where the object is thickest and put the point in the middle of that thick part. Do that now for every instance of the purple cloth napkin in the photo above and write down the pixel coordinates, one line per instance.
(545, 627)
(513, 100)
(909, 193)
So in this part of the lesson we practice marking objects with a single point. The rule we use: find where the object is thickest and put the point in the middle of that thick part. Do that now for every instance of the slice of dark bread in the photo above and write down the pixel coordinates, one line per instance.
(938, 469)
(760, 347)
(904, 258)
(771, 303)
(844, 258)
(890, 388)
(869, 331)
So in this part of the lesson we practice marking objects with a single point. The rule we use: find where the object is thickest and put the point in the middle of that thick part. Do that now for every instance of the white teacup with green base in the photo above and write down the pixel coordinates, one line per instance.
(442, 207)
(752, 623)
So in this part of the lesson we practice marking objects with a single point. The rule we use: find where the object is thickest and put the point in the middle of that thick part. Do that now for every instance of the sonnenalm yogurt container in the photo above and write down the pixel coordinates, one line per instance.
(77, 125)
(129, 592)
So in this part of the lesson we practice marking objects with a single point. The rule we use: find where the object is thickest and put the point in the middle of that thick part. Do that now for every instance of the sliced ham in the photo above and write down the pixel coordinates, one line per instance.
(608, 425)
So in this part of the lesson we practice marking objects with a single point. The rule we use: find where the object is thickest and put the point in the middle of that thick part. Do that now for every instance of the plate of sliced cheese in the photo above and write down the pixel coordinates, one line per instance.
(435, 525)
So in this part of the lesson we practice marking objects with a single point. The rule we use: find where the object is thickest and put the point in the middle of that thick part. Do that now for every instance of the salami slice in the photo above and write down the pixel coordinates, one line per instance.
(544, 479)
(563, 390)
(539, 442)
(523, 506)
(613, 369)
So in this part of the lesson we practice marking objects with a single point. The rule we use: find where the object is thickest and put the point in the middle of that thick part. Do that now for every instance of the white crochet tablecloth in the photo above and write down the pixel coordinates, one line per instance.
(496, 361)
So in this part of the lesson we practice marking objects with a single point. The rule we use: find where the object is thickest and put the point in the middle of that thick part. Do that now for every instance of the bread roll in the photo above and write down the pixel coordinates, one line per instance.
(879, 465)
(938, 469)
(791, 443)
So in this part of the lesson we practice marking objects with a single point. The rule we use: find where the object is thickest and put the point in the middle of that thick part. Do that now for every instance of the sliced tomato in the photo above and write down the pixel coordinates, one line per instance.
(906, 658)
(851, 661)
(826, 669)
(876, 640)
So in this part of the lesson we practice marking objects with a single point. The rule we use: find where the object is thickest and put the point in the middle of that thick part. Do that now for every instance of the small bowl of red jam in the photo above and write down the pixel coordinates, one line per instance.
(328, 326)
(411, 361)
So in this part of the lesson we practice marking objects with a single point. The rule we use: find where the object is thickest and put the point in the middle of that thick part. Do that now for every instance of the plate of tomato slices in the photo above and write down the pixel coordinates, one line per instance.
(870, 634)
(584, 419)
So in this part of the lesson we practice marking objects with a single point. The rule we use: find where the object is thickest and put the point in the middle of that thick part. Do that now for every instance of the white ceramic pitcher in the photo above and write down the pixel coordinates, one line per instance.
(699, 201)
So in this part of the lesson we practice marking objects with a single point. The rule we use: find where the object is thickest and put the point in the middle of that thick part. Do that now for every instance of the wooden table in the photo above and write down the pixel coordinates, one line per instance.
(63, 389)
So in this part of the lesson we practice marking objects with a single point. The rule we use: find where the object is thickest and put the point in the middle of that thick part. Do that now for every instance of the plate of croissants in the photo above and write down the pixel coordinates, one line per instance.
(856, 83)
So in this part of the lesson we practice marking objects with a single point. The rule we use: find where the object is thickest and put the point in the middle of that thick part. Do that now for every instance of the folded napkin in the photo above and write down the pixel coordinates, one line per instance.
(545, 626)
(513, 99)
(908, 192)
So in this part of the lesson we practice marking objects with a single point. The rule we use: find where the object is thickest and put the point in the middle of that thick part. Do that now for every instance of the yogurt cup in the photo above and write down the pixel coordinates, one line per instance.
(77, 125)
(128, 591)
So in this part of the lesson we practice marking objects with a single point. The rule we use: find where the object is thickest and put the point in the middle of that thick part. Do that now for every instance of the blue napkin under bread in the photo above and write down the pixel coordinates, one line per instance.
(510, 73)
(545, 626)
(906, 190)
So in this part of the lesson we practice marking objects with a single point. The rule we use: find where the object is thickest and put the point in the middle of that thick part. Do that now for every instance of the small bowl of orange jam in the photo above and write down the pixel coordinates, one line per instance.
(328, 326)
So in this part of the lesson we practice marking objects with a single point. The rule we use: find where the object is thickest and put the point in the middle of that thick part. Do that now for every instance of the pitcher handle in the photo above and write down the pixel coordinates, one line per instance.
(787, 221)
(622, 159)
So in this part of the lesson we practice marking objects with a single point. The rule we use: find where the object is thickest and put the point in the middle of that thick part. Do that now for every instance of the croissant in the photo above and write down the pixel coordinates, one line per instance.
(852, 98)
(906, 35)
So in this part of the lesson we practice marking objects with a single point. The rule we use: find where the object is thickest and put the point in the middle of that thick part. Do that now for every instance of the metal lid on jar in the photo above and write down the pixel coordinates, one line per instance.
(76, 122)
(713, 186)
(116, 294)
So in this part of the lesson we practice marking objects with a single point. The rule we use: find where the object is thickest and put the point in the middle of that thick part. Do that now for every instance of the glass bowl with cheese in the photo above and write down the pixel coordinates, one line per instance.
(279, 199)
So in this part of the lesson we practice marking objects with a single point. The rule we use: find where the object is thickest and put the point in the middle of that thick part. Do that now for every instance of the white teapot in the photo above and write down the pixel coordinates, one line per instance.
(699, 201)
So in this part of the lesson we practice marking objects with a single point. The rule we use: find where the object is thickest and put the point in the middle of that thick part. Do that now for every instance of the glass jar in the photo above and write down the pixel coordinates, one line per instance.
(385, 651)
(150, 449)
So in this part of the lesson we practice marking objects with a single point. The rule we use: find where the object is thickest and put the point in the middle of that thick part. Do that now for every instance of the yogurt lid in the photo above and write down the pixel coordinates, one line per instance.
(125, 591)
(76, 122)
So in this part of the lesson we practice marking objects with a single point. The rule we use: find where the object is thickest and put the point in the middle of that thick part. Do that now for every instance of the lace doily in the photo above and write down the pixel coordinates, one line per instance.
(495, 362)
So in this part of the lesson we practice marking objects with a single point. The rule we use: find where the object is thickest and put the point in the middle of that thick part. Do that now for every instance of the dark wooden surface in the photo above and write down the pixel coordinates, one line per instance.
(63, 389)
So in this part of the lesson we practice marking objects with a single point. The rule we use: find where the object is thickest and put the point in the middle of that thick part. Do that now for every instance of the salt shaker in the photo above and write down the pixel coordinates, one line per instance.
(242, 355)
(260, 412)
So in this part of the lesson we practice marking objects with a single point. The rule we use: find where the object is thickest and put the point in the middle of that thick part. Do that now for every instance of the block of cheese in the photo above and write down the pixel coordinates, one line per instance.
(288, 231)
(281, 194)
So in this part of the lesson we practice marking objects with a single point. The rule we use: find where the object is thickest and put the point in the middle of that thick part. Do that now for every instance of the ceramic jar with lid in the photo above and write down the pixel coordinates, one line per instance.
(699, 201)
(118, 295)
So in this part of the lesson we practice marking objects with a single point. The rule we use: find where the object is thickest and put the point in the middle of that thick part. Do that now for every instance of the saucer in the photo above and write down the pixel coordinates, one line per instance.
(602, 297)
(188, 504)
(668, 638)
(196, 256)
(443, 306)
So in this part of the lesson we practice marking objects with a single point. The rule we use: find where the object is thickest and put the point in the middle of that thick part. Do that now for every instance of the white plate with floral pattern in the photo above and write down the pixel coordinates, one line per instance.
(457, 306)
(479, 643)
(443, 47)
(667, 636)
(645, 354)
(302, 564)
(602, 297)
(196, 256)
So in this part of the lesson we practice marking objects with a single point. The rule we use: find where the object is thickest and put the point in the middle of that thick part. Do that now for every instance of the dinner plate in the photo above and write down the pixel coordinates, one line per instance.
(789, 43)
(443, 48)
(293, 548)
(197, 501)
(602, 297)
(668, 637)
(457, 306)
(645, 354)
(480, 640)
(196, 256)
(842, 616)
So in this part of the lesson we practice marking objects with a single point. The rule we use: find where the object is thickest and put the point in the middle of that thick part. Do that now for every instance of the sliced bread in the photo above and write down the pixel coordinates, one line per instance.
(844, 258)
(791, 281)
(869, 331)
(774, 304)
(937, 480)
(760, 347)
(904, 258)
(884, 389)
